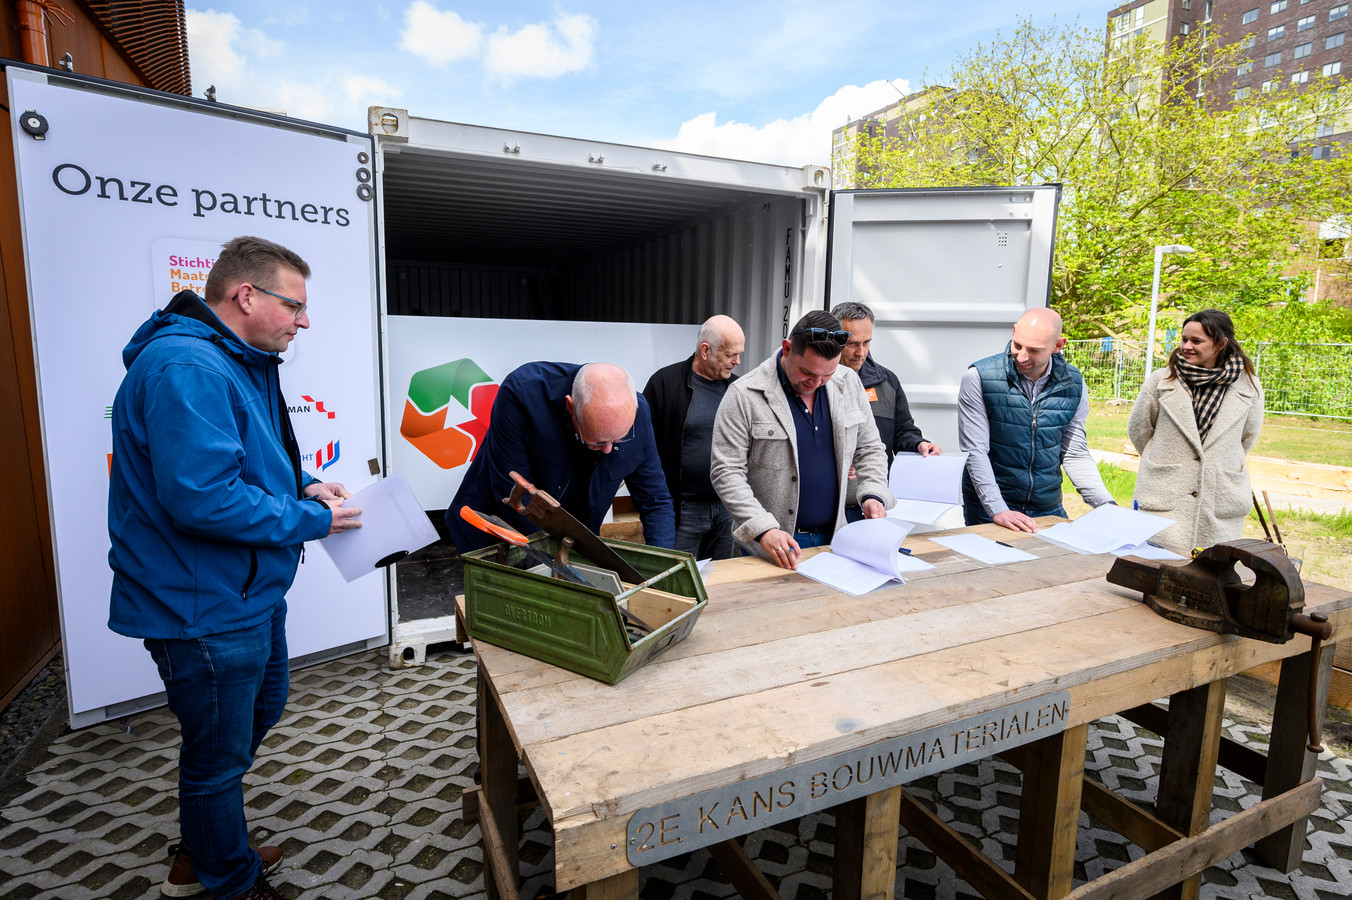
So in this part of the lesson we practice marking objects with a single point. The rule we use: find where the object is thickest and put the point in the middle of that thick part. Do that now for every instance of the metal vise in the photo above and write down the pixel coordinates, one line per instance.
(1208, 593)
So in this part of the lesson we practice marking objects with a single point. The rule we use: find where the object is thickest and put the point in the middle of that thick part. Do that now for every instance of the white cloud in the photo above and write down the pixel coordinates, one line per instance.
(544, 50)
(222, 53)
(798, 141)
(439, 38)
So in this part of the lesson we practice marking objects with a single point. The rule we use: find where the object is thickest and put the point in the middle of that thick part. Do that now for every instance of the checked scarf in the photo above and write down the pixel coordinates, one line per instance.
(1208, 387)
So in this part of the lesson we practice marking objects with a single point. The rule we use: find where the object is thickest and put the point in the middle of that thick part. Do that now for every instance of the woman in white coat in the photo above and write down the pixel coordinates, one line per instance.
(1194, 424)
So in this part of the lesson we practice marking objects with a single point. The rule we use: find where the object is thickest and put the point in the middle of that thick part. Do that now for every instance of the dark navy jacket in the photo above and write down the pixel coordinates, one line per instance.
(1026, 437)
(204, 506)
(891, 410)
(530, 433)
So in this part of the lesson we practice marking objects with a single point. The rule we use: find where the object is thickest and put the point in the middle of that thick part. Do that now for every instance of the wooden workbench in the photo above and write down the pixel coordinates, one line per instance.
(787, 683)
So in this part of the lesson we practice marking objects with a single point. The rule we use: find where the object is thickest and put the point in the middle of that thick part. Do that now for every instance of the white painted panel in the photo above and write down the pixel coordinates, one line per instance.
(99, 266)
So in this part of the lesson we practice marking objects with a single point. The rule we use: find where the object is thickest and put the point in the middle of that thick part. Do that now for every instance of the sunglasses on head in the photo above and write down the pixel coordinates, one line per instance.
(822, 334)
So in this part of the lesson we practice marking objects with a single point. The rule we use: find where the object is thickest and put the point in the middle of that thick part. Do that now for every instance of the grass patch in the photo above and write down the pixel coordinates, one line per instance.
(1337, 524)
(1119, 482)
(1325, 441)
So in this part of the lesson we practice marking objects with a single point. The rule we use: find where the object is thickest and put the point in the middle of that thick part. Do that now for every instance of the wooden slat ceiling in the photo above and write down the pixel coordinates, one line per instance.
(154, 34)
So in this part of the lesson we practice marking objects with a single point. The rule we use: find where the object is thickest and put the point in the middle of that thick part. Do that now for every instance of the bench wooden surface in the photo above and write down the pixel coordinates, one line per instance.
(781, 670)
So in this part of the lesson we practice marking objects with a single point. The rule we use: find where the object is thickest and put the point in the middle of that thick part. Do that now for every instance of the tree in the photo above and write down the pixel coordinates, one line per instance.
(1146, 155)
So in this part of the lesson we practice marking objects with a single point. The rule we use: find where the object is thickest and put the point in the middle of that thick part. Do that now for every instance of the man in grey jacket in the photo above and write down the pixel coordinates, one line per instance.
(785, 438)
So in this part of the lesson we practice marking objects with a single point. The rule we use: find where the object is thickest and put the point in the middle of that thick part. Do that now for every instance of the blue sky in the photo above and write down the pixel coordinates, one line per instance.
(752, 80)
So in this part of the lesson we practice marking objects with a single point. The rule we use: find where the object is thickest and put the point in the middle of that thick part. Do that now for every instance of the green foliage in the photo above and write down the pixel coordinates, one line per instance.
(1144, 160)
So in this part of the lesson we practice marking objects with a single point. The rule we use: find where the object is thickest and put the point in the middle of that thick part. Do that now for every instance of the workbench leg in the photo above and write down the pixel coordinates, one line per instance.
(1192, 741)
(1049, 813)
(867, 830)
(623, 886)
(1289, 763)
(497, 768)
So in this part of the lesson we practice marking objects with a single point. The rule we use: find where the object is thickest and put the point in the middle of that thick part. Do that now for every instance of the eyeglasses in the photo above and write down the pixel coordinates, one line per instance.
(299, 307)
(821, 334)
(597, 445)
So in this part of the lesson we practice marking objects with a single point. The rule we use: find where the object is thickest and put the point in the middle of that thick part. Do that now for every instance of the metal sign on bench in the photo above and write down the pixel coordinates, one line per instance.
(679, 826)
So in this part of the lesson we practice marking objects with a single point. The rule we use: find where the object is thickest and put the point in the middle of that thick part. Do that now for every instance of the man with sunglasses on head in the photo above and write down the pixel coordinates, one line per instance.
(207, 510)
(785, 439)
(575, 432)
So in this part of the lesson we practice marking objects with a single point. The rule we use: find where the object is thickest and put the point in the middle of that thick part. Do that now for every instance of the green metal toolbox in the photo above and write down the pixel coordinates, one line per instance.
(576, 626)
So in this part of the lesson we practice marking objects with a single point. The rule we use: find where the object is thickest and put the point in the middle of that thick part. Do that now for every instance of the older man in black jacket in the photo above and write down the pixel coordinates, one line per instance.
(684, 397)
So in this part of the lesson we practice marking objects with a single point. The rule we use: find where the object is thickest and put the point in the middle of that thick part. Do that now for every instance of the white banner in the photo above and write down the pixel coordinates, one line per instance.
(444, 374)
(124, 203)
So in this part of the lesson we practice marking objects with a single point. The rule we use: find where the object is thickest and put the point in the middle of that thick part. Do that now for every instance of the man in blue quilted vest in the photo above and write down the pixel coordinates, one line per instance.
(1021, 418)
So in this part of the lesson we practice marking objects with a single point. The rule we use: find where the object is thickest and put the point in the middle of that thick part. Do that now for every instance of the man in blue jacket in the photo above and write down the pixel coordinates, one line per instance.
(574, 432)
(207, 512)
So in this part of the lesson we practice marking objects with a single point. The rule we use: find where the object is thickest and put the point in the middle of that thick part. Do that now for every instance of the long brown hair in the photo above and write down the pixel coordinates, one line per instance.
(1219, 328)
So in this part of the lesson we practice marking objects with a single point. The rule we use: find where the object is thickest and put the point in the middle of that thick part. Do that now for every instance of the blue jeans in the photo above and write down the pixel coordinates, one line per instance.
(807, 539)
(226, 690)
(704, 529)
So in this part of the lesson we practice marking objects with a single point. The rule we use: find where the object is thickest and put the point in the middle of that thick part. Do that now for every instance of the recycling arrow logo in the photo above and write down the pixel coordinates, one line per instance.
(430, 392)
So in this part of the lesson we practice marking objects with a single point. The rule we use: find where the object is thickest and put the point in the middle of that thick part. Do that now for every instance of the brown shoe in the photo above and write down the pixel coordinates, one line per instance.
(182, 881)
(261, 891)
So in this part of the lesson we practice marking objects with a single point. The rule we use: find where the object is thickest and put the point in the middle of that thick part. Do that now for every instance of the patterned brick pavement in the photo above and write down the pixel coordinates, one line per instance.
(361, 782)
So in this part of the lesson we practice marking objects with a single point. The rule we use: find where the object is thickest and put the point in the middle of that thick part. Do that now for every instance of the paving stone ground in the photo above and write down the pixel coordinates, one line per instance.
(361, 781)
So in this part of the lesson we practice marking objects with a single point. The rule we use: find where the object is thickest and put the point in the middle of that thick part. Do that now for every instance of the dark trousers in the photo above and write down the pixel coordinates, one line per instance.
(704, 529)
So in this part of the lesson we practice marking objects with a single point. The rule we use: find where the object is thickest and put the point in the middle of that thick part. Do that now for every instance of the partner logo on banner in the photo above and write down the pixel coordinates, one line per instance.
(311, 405)
(326, 456)
(430, 392)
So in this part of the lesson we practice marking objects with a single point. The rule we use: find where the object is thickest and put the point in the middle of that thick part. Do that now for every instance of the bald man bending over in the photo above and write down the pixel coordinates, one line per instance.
(684, 398)
(1021, 418)
(573, 431)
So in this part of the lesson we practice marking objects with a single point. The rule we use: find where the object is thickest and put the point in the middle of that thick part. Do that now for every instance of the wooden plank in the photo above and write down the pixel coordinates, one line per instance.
(741, 872)
(1192, 741)
(1342, 655)
(470, 799)
(865, 862)
(1340, 689)
(582, 704)
(1130, 653)
(1233, 755)
(1126, 818)
(497, 806)
(971, 864)
(790, 605)
(623, 886)
(500, 873)
(1189, 856)
(1049, 813)
(1289, 762)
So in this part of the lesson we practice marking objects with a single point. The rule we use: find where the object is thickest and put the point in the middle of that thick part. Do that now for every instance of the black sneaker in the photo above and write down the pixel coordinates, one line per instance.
(261, 890)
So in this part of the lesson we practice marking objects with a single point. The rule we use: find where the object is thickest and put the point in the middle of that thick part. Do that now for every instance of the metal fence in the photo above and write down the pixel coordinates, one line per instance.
(1298, 379)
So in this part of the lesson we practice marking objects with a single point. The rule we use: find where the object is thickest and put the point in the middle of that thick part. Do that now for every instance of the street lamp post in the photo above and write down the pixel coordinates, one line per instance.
(1155, 300)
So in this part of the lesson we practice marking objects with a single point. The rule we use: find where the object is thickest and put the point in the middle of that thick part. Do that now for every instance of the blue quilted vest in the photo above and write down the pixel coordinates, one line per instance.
(1025, 437)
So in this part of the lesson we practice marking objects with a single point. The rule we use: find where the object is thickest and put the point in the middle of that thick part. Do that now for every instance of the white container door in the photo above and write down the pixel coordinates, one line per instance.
(126, 199)
(946, 272)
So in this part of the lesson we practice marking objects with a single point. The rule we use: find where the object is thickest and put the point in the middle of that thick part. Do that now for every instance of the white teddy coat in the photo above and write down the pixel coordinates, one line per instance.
(1204, 487)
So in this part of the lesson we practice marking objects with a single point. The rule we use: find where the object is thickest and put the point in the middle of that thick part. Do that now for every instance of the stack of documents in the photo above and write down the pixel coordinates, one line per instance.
(1111, 529)
(864, 556)
(926, 487)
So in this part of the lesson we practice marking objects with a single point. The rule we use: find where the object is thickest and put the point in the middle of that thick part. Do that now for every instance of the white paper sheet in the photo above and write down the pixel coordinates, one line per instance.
(1148, 551)
(864, 556)
(934, 478)
(921, 512)
(983, 549)
(392, 522)
(1105, 529)
(844, 574)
